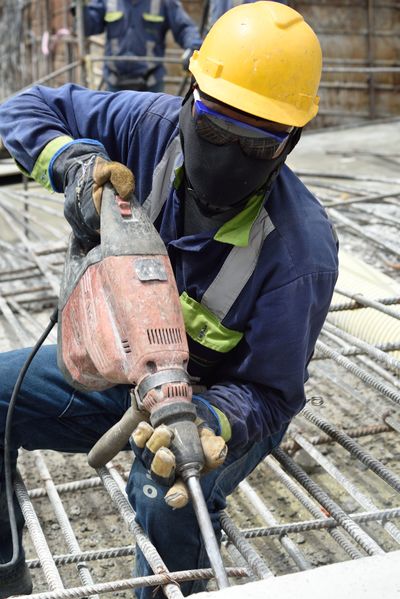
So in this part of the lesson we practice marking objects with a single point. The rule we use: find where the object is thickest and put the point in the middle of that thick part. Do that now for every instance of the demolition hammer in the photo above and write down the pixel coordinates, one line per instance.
(120, 322)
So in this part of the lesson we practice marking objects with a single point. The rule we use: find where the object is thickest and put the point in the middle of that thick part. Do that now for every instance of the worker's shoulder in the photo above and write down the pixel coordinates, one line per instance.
(302, 226)
(163, 107)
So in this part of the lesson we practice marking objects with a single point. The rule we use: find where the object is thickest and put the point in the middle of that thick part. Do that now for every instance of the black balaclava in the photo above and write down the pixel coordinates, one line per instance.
(220, 178)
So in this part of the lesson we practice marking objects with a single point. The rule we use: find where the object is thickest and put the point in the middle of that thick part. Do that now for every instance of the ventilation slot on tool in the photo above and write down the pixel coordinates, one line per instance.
(125, 346)
(177, 391)
(164, 336)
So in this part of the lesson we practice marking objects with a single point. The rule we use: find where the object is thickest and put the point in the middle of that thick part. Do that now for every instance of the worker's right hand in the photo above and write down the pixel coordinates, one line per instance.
(83, 171)
(152, 447)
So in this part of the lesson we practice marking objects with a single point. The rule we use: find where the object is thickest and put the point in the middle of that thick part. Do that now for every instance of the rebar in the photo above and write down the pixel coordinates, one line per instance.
(360, 373)
(292, 549)
(354, 449)
(235, 536)
(369, 303)
(350, 526)
(62, 518)
(381, 411)
(87, 556)
(149, 551)
(314, 509)
(343, 480)
(321, 524)
(369, 349)
(353, 351)
(155, 580)
(38, 538)
(356, 305)
(290, 445)
(361, 232)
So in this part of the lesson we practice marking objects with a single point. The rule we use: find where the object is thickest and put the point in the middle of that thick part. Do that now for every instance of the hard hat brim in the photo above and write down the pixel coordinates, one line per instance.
(256, 104)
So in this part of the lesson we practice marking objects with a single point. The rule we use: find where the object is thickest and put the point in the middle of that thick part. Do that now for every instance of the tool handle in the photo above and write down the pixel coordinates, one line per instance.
(125, 228)
(180, 417)
(115, 439)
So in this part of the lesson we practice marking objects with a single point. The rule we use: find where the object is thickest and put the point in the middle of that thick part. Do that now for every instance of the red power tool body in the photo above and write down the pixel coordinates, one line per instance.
(120, 322)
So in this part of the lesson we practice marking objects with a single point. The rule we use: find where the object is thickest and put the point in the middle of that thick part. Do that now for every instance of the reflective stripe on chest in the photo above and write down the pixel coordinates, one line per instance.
(203, 320)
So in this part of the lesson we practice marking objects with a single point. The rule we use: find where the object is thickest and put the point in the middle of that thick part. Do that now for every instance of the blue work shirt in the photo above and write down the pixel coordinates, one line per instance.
(218, 7)
(278, 315)
(138, 28)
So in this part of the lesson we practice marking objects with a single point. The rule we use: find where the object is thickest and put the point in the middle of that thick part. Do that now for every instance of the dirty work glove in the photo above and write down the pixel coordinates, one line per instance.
(151, 446)
(81, 171)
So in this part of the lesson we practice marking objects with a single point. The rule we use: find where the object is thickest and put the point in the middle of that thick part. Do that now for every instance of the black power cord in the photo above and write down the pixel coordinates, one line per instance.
(7, 439)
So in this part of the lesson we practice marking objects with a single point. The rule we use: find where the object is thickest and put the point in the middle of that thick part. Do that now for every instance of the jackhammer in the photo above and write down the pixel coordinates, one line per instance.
(120, 322)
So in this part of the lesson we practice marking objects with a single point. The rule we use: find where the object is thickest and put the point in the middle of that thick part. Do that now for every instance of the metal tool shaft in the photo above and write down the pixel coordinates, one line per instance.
(207, 531)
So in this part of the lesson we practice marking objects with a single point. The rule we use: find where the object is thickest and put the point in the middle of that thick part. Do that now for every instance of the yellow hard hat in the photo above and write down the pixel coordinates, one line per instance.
(264, 59)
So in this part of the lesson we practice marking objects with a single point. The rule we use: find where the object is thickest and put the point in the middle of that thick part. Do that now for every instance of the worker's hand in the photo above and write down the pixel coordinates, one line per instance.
(81, 172)
(152, 447)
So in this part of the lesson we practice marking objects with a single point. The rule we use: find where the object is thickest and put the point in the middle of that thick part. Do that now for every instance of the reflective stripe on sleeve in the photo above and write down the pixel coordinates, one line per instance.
(111, 17)
(40, 171)
(153, 18)
(202, 326)
(226, 430)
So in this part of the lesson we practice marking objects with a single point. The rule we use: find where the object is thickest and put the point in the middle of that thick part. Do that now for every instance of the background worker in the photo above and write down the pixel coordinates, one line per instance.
(253, 252)
(216, 8)
(139, 28)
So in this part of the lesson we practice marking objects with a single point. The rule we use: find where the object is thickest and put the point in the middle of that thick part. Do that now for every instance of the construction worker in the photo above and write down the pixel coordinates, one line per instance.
(139, 28)
(216, 8)
(253, 252)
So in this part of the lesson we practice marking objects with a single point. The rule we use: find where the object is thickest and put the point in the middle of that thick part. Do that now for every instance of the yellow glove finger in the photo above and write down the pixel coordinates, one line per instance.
(142, 434)
(178, 495)
(161, 437)
(163, 466)
(158, 458)
(214, 449)
(119, 175)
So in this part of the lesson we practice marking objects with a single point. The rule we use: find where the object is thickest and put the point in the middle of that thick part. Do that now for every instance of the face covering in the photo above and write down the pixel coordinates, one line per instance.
(222, 177)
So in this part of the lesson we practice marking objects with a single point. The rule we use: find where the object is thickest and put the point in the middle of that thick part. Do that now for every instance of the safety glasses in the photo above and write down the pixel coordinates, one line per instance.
(220, 129)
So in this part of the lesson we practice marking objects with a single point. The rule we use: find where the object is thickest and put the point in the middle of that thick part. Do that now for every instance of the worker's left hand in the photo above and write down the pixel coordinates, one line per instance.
(84, 190)
(82, 171)
(152, 447)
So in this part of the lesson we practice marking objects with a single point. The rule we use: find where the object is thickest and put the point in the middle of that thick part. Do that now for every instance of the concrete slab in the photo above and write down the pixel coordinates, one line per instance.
(374, 577)
(8, 167)
(370, 150)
